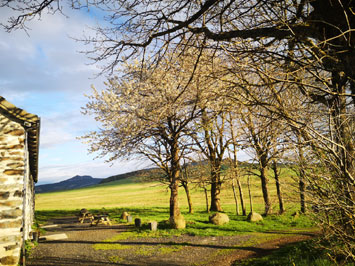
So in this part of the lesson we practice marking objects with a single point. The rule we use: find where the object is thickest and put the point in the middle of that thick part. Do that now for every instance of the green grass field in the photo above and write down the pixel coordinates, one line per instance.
(150, 201)
(127, 193)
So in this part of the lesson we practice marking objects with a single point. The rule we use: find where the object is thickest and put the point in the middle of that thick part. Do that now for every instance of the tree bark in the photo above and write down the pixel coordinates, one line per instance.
(174, 179)
(236, 175)
(174, 202)
(301, 175)
(187, 191)
(264, 183)
(242, 203)
(215, 190)
(278, 187)
(302, 187)
(250, 198)
(206, 197)
(235, 197)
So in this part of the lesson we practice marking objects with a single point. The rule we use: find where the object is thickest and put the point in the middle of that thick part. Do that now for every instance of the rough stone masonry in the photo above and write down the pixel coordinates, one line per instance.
(16, 186)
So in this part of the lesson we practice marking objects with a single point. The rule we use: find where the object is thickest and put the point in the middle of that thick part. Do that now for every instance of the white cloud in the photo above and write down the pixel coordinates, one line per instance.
(45, 74)
(97, 169)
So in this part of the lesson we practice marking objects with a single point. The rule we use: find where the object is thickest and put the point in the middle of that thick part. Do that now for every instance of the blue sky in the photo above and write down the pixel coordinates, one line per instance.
(45, 74)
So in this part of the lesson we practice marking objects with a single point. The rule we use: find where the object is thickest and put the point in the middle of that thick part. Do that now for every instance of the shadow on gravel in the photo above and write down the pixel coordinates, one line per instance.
(142, 243)
(49, 261)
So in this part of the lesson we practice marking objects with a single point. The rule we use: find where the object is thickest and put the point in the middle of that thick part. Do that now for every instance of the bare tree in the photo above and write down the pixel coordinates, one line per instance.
(148, 113)
(261, 138)
(213, 143)
(185, 181)
(278, 186)
(235, 167)
(312, 39)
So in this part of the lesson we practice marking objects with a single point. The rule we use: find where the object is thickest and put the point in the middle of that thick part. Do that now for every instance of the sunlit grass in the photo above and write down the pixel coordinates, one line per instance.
(149, 201)
(299, 254)
(127, 193)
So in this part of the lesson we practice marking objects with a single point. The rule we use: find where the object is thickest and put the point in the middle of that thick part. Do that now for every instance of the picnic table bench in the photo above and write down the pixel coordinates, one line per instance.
(101, 219)
(85, 214)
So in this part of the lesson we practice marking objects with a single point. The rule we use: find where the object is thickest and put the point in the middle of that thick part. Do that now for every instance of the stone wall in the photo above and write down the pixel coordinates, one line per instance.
(12, 173)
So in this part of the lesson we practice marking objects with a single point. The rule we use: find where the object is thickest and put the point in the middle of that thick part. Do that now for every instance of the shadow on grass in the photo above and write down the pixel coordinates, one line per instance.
(56, 261)
(159, 244)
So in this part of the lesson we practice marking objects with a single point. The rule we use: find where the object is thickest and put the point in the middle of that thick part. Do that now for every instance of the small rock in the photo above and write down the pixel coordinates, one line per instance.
(254, 217)
(219, 218)
(129, 218)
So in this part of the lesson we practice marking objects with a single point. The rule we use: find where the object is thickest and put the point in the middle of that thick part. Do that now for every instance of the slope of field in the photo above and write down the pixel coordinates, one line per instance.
(131, 192)
(71, 183)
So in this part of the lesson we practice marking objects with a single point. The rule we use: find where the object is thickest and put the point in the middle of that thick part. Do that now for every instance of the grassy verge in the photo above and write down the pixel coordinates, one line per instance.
(197, 223)
(299, 254)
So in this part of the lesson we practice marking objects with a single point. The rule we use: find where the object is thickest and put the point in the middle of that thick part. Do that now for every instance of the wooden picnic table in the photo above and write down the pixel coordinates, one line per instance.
(101, 219)
(84, 214)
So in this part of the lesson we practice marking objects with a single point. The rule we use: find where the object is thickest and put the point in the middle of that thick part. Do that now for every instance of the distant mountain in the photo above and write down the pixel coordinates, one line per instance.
(145, 173)
(72, 183)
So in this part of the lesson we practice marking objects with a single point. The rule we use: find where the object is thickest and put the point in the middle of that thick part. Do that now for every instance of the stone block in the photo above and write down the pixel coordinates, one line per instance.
(14, 172)
(4, 195)
(9, 239)
(12, 247)
(129, 218)
(10, 214)
(18, 193)
(15, 165)
(138, 222)
(11, 203)
(153, 225)
(17, 132)
(9, 260)
(11, 224)
(18, 153)
(15, 147)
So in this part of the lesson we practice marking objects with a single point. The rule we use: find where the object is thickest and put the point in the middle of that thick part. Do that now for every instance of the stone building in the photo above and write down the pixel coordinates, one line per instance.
(19, 143)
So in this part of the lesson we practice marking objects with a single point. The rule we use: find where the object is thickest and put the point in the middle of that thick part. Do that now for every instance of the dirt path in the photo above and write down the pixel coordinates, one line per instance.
(85, 245)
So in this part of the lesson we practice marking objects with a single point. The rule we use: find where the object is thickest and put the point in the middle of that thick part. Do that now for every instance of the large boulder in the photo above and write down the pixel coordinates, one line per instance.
(219, 218)
(177, 222)
(254, 217)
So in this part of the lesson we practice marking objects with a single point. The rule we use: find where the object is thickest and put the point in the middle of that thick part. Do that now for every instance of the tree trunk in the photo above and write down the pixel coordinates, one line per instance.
(264, 183)
(215, 190)
(236, 177)
(250, 199)
(206, 197)
(242, 203)
(278, 187)
(187, 191)
(174, 179)
(235, 197)
(302, 187)
(302, 175)
(174, 202)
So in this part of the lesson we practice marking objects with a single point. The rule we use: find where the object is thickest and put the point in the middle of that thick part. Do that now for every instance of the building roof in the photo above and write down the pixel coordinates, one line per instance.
(31, 123)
